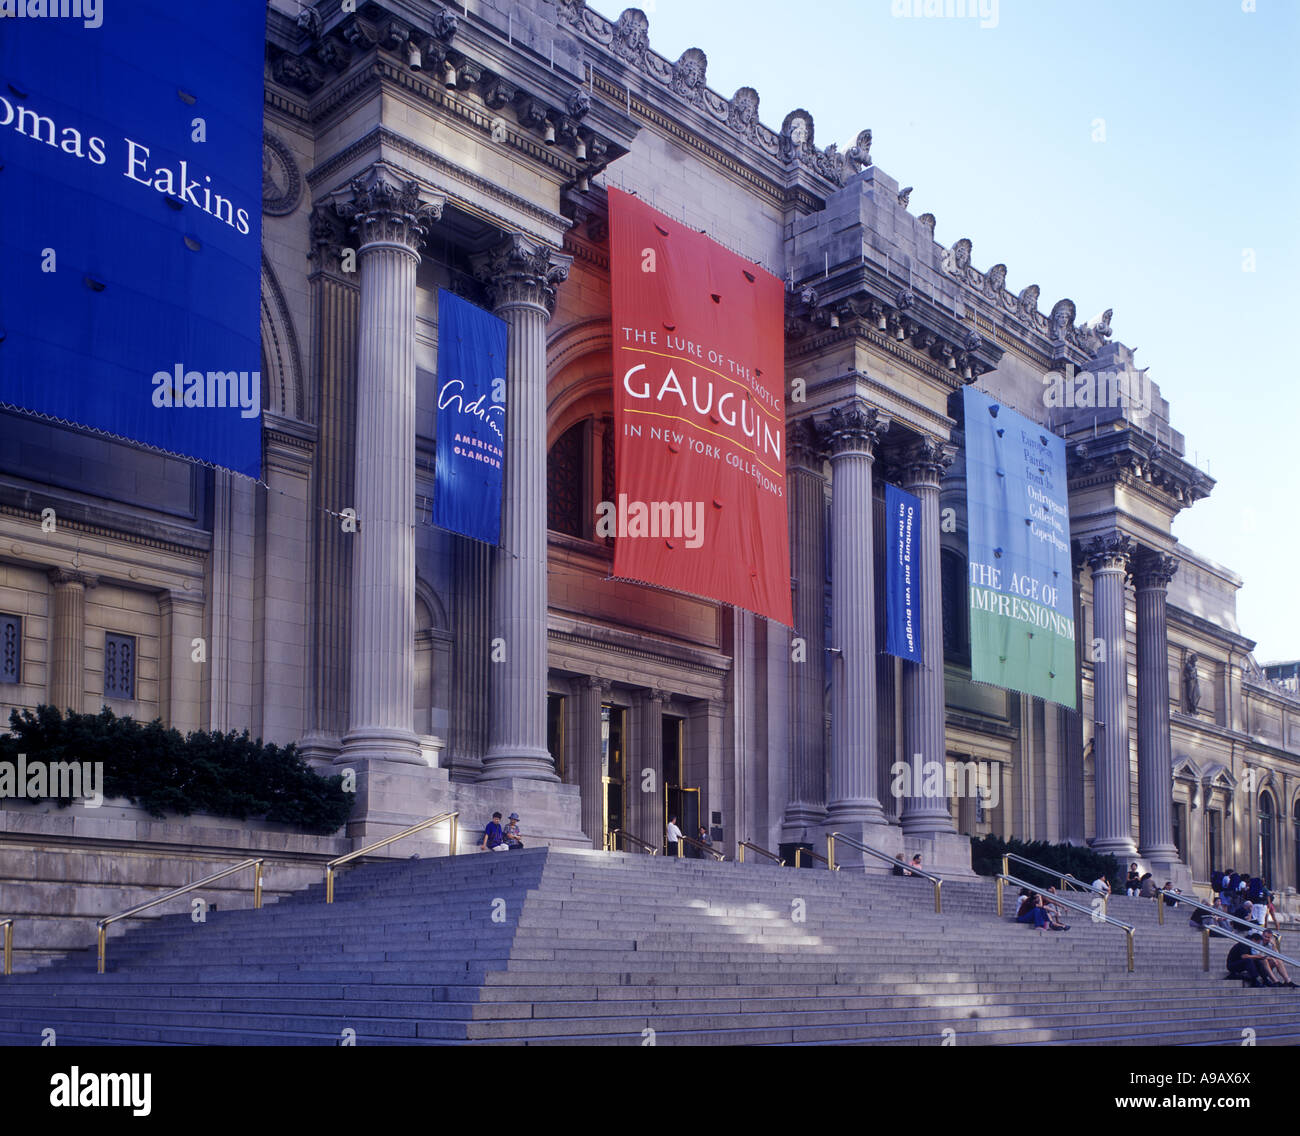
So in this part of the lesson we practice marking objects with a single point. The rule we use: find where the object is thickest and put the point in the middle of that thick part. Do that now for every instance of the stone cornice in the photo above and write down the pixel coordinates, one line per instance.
(1137, 461)
(16, 548)
(685, 658)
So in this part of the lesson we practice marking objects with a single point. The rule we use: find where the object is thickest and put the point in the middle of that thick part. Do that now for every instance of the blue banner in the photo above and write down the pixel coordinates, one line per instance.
(902, 574)
(471, 419)
(130, 256)
(1020, 581)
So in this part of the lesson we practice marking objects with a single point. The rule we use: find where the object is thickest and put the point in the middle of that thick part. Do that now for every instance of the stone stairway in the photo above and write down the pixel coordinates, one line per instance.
(552, 947)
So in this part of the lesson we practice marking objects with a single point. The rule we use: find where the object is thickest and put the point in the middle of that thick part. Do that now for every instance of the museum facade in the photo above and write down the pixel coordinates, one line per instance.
(410, 148)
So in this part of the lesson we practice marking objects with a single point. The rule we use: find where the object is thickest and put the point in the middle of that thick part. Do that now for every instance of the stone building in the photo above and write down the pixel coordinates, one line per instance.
(411, 148)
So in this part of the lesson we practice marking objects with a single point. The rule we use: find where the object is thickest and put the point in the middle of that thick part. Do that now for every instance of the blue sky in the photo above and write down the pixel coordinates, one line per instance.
(1201, 160)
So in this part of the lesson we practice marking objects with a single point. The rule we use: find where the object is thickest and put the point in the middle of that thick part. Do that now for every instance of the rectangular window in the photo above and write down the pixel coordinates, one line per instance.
(1178, 832)
(119, 667)
(1213, 826)
(11, 648)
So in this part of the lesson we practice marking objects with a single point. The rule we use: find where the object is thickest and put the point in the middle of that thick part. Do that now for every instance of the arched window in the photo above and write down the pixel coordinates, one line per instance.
(1267, 835)
(579, 466)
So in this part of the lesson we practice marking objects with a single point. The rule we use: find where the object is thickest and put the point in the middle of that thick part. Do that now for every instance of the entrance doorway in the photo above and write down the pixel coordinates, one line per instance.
(680, 800)
(613, 731)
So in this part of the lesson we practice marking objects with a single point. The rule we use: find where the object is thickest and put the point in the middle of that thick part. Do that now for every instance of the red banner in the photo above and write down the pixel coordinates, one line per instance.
(699, 415)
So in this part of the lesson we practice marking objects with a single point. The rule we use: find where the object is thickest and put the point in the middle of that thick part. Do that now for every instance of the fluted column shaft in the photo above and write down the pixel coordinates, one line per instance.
(853, 433)
(521, 277)
(68, 639)
(806, 791)
(1151, 576)
(390, 220)
(924, 710)
(1108, 557)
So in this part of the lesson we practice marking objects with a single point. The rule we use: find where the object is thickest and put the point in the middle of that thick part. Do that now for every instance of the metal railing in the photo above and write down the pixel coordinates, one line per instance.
(740, 855)
(101, 935)
(1128, 928)
(684, 840)
(1256, 948)
(8, 925)
(420, 827)
(1217, 912)
(892, 861)
(617, 834)
(1066, 879)
(800, 853)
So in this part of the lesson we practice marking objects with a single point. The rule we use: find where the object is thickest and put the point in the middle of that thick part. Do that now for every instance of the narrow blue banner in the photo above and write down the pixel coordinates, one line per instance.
(130, 257)
(902, 574)
(471, 419)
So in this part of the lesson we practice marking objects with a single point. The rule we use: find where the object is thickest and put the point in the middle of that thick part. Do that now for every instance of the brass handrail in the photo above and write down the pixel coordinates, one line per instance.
(615, 834)
(684, 839)
(761, 851)
(8, 925)
(101, 934)
(800, 853)
(892, 861)
(1128, 928)
(1217, 912)
(420, 827)
(1064, 877)
(1255, 947)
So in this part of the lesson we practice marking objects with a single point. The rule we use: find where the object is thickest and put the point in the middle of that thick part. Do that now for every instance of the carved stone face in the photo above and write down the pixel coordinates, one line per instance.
(744, 107)
(689, 72)
(633, 29)
(798, 132)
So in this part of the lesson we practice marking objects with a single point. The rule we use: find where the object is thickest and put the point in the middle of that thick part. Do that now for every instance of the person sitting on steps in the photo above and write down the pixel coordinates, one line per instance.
(1133, 880)
(1277, 971)
(512, 833)
(1243, 963)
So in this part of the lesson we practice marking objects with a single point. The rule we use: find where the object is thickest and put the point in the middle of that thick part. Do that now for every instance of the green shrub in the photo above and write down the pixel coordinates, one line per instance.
(1069, 859)
(228, 775)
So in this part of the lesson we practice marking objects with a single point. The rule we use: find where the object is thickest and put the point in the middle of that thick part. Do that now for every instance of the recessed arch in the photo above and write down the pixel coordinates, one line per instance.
(282, 381)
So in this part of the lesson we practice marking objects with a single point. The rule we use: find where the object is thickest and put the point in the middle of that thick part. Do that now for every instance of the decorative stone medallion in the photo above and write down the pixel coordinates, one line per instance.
(281, 181)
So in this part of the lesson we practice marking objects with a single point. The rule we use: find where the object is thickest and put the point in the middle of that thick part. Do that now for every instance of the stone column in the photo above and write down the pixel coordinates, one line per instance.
(390, 218)
(854, 431)
(923, 696)
(591, 692)
(68, 638)
(806, 794)
(1151, 575)
(521, 277)
(646, 811)
(1108, 557)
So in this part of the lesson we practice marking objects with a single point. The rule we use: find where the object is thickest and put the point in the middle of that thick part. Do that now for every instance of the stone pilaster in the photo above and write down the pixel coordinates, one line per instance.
(806, 795)
(853, 433)
(473, 565)
(591, 692)
(180, 682)
(923, 695)
(1151, 575)
(390, 217)
(68, 638)
(521, 277)
(1109, 557)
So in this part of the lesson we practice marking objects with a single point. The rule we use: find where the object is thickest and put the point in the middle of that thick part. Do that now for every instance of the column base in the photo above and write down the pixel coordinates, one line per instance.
(881, 836)
(1121, 846)
(925, 824)
(320, 750)
(801, 823)
(518, 763)
(845, 814)
(376, 743)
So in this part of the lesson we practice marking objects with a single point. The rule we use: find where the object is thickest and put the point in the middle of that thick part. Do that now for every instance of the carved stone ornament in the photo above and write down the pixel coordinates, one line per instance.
(926, 460)
(1028, 301)
(858, 155)
(632, 36)
(1092, 335)
(742, 116)
(806, 442)
(1112, 551)
(1061, 320)
(522, 271)
(382, 208)
(281, 181)
(797, 136)
(1191, 684)
(855, 428)
(689, 74)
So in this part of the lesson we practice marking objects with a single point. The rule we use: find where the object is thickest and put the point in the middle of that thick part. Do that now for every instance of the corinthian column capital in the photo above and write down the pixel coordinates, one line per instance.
(855, 428)
(521, 270)
(385, 208)
(1152, 570)
(924, 461)
(66, 576)
(1110, 551)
